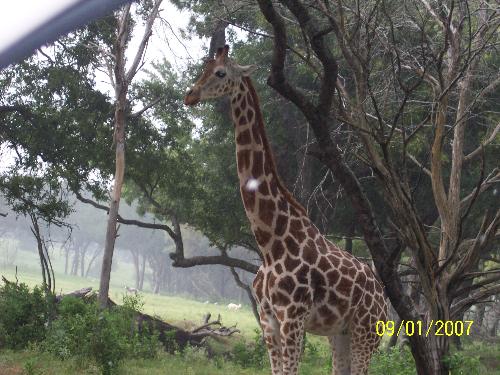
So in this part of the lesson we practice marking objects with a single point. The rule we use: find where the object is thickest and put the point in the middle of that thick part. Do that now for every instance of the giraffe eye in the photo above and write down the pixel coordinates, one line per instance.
(220, 74)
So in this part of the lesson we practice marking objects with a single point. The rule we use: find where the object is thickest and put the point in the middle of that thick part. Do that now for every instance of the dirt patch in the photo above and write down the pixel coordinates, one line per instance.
(10, 370)
(491, 362)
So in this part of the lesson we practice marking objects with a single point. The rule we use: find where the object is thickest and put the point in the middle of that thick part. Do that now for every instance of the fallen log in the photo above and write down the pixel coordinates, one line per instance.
(173, 338)
(80, 293)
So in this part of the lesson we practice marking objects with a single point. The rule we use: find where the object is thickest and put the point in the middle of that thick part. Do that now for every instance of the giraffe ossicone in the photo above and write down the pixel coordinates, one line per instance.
(306, 283)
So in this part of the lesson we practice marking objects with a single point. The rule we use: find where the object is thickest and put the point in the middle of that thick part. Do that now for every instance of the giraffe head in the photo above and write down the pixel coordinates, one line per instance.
(220, 77)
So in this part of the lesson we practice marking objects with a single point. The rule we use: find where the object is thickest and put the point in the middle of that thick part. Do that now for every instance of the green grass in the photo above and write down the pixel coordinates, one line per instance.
(192, 362)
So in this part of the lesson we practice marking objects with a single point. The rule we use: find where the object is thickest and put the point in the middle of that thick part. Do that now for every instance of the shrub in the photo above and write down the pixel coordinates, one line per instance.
(23, 315)
(395, 361)
(108, 336)
(109, 340)
(250, 355)
(463, 365)
(311, 350)
(316, 355)
(69, 334)
(398, 361)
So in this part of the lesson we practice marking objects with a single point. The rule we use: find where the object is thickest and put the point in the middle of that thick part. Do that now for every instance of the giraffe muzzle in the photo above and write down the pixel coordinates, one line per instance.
(191, 97)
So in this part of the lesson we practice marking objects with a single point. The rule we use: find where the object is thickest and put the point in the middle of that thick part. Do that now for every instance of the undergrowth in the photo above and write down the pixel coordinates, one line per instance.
(75, 336)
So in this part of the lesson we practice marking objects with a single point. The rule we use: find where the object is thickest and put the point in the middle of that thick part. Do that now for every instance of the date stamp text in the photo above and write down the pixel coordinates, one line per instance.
(434, 327)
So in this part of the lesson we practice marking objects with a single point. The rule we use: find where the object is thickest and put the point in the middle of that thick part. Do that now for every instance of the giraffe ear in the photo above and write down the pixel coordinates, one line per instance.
(246, 70)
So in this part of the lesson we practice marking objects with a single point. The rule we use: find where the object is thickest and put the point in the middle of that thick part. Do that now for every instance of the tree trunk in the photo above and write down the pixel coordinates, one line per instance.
(222, 284)
(111, 231)
(91, 262)
(135, 260)
(82, 260)
(480, 316)
(121, 86)
(142, 272)
(66, 260)
(76, 261)
(156, 289)
(394, 338)
(494, 328)
(48, 277)
(439, 349)
(157, 264)
(496, 322)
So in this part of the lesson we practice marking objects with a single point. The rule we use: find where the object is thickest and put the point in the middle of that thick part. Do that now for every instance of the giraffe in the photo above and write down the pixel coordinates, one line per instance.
(305, 283)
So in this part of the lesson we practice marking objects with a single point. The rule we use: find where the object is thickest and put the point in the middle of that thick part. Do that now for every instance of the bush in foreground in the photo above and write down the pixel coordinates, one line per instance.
(24, 314)
(109, 336)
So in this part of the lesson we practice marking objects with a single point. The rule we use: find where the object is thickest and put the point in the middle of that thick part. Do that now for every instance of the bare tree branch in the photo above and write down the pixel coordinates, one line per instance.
(213, 259)
(466, 303)
(249, 292)
(145, 38)
(420, 165)
(485, 143)
(122, 220)
(479, 284)
(146, 107)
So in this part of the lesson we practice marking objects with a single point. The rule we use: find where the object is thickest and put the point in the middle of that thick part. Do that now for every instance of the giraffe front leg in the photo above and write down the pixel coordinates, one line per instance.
(271, 331)
(292, 334)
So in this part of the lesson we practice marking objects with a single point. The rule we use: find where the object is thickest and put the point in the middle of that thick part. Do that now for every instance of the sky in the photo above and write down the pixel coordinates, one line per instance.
(22, 16)
(19, 17)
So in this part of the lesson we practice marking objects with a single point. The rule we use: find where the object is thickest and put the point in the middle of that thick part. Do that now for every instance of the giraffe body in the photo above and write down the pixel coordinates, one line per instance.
(305, 283)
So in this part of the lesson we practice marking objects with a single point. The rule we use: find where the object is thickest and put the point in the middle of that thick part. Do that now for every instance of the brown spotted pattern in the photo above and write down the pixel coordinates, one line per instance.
(305, 283)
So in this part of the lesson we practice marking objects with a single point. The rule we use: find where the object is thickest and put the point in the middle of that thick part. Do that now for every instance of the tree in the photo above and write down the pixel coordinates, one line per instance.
(389, 77)
(41, 199)
(121, 80)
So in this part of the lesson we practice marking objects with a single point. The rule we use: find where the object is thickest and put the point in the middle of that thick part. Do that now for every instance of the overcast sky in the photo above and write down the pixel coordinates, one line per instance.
(19, 17)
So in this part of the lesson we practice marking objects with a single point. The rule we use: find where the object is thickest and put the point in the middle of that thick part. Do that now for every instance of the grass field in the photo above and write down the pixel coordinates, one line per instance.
(32, 362)
(486, 360)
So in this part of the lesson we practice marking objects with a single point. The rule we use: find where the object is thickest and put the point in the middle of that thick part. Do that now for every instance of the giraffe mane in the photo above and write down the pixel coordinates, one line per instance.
(260, 125)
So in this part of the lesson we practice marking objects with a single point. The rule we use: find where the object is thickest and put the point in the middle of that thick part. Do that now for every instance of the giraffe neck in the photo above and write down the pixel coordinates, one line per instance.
(268, 204)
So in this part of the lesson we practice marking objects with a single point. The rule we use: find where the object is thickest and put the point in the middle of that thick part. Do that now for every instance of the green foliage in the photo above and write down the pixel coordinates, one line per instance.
(395, 361)
(107, 336)
(171, 345)
(398, 361)
(23, 315)
(311, 350)
(315, 356)
(42, 196)
(108, 340)
(29, 367)
(250, 355)
(463, 365)
(67, 336)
